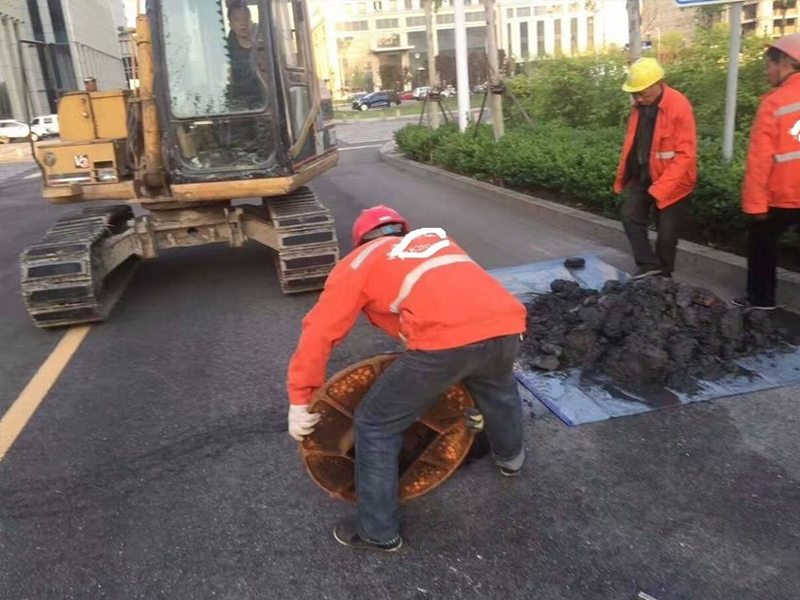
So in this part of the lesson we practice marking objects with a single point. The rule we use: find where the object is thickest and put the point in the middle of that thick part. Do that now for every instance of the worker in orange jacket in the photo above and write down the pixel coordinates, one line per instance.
(771, 192)
(658, 167)
(458, 325)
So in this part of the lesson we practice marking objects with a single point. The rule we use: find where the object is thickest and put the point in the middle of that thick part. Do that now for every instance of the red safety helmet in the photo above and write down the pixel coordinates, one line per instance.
(789, 44)
(374, 218)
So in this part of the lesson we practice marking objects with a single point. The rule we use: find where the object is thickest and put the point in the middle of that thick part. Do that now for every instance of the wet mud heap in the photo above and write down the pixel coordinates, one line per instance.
(647, 332)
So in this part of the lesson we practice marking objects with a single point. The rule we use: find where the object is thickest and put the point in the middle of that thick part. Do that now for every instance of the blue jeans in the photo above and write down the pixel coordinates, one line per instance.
(410, 386)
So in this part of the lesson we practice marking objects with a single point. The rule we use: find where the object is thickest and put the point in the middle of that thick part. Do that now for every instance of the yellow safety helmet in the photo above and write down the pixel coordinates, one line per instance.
(642, 74)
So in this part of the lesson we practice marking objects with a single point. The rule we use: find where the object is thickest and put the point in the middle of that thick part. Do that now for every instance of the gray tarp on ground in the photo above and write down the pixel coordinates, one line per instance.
(578, 397)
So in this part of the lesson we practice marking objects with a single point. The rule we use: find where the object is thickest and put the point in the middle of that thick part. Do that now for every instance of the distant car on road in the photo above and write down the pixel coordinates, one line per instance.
(11, 130)
(376, 100)
(49, 123)
(421, 92)
(407, 95)
(357, 96)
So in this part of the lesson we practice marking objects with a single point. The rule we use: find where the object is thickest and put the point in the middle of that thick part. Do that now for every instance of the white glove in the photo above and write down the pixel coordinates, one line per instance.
(301, 422)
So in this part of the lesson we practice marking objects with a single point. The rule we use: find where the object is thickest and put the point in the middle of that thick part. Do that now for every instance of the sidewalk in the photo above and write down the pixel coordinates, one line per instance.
(720, 271)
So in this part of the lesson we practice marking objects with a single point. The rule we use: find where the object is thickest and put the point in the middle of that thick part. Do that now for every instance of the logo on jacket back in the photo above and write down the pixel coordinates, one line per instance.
(795, 131)
(408, 247)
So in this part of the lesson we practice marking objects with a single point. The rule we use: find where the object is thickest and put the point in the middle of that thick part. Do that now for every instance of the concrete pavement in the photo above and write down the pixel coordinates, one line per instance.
(159, 467)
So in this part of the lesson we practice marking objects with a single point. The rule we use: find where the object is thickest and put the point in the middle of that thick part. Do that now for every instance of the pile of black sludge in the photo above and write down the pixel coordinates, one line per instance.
(653, 331)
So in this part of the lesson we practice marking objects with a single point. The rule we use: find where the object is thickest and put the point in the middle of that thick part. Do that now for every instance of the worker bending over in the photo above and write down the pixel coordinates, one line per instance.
(458, 325)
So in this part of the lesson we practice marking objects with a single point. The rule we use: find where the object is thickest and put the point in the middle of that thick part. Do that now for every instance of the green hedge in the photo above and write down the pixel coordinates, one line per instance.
(579, 166)
(586, 92)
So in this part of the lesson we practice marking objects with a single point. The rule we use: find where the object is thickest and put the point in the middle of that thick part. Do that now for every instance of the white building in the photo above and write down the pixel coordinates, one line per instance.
(74, 39)
(355, 40)
(14, 26)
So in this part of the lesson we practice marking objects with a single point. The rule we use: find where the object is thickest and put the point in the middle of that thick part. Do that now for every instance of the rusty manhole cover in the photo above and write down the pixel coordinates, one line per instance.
(433, 447)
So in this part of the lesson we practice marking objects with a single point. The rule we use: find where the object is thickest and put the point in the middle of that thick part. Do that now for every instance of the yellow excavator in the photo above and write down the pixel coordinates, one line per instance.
(224, 126)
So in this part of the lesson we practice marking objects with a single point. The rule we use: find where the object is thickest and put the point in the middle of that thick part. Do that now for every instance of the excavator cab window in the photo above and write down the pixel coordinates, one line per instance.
(220, 94)
(296, 73)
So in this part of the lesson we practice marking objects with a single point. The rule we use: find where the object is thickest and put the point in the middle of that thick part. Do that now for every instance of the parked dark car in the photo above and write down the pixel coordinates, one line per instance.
(376, 100)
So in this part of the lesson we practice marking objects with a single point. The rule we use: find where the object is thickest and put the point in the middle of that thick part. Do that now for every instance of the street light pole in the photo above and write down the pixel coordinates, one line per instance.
(733, 79)
(462, 65)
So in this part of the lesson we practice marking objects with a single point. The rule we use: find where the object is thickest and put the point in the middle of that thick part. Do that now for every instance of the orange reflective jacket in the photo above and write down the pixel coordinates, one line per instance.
(772, 176)
(673, 155)
(422, 289)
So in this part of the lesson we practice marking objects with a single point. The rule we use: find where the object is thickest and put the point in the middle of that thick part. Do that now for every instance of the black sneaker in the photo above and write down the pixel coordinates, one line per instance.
(745, 303)
(345, 533)
(645, 273)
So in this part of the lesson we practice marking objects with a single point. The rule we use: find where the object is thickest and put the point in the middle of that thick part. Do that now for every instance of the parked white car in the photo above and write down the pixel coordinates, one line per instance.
(49, 123)
(420, 92)
(11, 130)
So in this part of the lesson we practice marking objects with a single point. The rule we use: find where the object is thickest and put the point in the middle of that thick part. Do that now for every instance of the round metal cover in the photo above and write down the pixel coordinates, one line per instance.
(433, 447)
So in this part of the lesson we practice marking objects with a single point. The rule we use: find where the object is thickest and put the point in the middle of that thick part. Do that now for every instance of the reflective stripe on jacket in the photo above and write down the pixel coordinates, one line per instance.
(772, 175)
(422, 289)
(673, 154)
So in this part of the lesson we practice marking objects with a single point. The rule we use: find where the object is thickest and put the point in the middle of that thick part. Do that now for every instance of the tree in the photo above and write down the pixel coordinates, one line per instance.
(446, 67)
(362, 80)
(478, 64)
(502, 60)
(707, 16)
(393, 77)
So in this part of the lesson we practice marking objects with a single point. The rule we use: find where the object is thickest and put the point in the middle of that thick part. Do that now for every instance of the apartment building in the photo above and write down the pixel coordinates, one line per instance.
(771, 18)
(74, 39)
(359, 43)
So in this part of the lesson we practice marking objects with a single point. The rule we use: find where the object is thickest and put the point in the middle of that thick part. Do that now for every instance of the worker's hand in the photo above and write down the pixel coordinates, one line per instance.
(301, 422)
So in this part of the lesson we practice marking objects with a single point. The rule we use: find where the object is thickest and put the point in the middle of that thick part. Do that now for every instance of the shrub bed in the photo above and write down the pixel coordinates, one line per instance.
(577, 166)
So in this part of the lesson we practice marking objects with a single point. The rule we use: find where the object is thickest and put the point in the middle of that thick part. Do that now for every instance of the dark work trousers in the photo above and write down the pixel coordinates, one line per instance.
(762, 253)
(408, 387)
(636, 209)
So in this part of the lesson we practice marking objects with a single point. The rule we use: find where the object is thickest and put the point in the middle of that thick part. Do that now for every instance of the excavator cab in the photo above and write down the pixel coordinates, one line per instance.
(224, 127)
(235, 88)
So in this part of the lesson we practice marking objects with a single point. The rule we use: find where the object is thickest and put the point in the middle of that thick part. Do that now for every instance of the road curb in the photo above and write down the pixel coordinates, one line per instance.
(375, 119)
(413, 117)
(722, 267)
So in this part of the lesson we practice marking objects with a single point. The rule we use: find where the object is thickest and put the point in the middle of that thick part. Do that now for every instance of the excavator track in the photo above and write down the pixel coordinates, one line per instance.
(307, 246)
(67, 277)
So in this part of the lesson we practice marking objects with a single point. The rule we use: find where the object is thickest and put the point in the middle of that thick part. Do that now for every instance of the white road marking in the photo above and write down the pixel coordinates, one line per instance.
(33, 175)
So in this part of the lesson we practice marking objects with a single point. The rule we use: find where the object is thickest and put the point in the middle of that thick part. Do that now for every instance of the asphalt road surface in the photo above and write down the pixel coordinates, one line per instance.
(158, 465)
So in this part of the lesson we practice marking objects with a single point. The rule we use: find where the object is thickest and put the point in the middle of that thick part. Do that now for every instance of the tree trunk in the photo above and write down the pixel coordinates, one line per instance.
(430, 30)
(634, 30)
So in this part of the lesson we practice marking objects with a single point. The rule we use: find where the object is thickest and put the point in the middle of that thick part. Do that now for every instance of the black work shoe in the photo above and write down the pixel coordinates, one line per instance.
(645, 273)
(506, 472)
(345, 533)
(745, 303)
